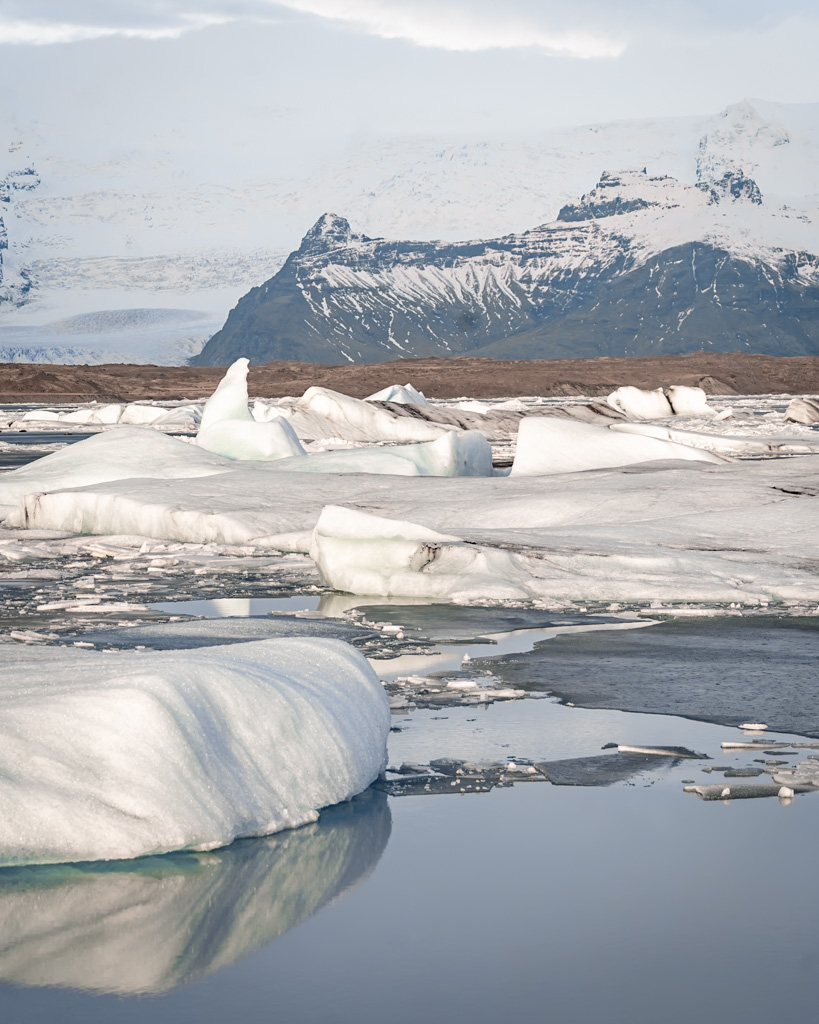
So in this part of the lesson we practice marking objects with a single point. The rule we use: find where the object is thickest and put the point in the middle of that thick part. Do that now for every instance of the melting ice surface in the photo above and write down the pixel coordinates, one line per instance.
(592, 902)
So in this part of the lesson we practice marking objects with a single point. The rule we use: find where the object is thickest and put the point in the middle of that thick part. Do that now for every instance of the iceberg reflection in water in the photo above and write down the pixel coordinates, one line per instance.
(146, 926)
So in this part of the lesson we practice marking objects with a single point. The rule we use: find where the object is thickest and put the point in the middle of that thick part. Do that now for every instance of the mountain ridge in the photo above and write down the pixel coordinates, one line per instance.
(642, 264)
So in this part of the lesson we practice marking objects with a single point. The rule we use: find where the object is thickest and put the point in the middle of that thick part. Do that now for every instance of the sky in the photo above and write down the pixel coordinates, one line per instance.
(274, 80)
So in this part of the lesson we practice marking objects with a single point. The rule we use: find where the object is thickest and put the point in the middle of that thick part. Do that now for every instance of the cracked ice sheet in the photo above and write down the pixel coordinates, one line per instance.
(743, 532)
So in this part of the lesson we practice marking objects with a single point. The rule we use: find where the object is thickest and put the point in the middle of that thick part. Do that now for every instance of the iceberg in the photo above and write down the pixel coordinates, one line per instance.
(403, 394)
(107, 757)
(803, 410)
(456, 453)
(229, 428)
(121, 454)
(638, 404)
(229, 400)
(250, 439)
(365, 554)
(322, 413)
(548, 445)
(686, 401)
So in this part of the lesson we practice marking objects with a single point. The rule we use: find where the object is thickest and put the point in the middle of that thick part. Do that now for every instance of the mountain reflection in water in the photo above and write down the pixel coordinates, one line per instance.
(149, 925)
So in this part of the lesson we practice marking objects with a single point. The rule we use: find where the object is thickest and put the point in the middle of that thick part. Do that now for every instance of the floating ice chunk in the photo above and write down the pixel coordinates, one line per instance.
(640, 405)
(324, 413)
(549, 445)
(403, 394)
(264, 411)
(229, 400)
(686, 401)
(114, 757)
(364, 554)
(250, 440)
(121, 454)
(228, 428)
(139, 415)
(803, 410)
(183, 415)
(41, 416)
(456, 453)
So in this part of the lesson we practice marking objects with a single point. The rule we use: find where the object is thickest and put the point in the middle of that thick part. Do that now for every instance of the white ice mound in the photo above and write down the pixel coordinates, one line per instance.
(638, 404)
(106, 757)
(803, 410)
(364, 554)
(229, 400)
(250, 440)
(686, 401)
(404, 394)
(228, 428)
(548, 445)
(137, 415)
(122, 454)
(456, 453)
(321, 413)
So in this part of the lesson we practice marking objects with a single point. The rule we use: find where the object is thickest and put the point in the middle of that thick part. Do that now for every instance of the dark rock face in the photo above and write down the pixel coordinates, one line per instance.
(586, 285)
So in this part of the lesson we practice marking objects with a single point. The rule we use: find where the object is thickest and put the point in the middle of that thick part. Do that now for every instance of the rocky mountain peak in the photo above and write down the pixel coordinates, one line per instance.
(330, 232)
(621, 192)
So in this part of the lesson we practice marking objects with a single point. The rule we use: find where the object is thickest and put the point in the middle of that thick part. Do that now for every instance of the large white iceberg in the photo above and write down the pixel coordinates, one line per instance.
(366, 554)
(322, 413)
(251, 440)
(548, 445)
(121, 454)
(118, 756)
(456, 453)
(229, 400)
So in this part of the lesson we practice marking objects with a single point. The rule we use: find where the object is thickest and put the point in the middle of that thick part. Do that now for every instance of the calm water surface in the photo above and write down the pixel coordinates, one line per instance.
(544, 903)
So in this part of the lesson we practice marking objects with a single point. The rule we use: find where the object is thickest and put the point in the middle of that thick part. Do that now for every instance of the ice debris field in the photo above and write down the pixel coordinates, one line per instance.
(642, 503)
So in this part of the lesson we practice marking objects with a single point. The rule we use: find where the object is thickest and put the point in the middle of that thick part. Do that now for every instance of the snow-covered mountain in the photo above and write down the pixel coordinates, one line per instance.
(640, 265)
(141, 231)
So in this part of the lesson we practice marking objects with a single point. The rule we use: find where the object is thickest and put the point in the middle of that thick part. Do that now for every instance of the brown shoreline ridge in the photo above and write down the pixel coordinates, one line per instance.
(454, 377)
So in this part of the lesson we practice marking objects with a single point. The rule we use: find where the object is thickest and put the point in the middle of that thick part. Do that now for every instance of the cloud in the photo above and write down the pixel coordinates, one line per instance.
(580, 28)
(42, 32)
(463, 26)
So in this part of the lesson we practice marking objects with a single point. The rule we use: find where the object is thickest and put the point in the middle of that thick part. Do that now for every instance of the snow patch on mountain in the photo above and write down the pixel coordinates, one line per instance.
(135, 230)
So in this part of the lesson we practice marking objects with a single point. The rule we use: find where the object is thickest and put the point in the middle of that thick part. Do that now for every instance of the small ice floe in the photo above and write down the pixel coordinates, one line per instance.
(747, 792)
(806, 773)
(803, 410)
(623, 748)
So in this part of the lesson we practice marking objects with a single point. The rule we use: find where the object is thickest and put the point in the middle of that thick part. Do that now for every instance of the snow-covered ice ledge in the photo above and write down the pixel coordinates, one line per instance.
(113, 757)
